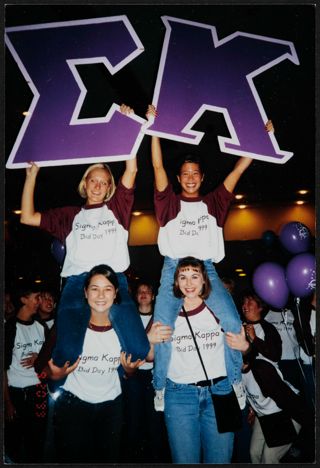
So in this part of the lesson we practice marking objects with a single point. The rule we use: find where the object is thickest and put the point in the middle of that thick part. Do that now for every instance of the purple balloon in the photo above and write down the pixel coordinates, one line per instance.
(295, 237)
(301, 274)
(269, 282)
(58, 251)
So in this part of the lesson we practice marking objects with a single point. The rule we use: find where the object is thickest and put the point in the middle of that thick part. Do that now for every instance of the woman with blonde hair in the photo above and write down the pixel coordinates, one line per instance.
(94, 233)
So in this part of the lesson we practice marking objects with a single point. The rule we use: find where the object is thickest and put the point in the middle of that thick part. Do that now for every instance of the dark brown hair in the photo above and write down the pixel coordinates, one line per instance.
(194, 264)
(189, 158)
(107, 272)
(261, 303)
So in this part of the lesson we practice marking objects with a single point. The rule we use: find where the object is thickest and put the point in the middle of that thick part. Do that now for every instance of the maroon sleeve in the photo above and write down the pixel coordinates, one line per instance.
(218, 203)
(121, 204)
(58, 221)
(166, 205)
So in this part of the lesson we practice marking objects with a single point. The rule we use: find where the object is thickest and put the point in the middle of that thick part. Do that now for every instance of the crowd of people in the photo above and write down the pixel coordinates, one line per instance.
(113, 375)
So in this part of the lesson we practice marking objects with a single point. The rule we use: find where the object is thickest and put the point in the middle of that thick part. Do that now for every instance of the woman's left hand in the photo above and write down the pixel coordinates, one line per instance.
(128, 366)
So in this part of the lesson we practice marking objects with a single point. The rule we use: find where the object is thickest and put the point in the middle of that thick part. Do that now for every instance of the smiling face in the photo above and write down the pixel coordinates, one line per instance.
(100, 294)
(190, 179)
(46, 304)
(252, 311)
(97, 184)
(190, 282)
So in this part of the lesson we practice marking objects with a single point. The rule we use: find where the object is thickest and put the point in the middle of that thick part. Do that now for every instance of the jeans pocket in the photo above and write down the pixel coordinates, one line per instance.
(222, 387)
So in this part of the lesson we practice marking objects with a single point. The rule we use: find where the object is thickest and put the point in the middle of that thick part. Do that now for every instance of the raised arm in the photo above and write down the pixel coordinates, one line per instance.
(28, 214)
(233, 177)
(241, 165)
(130, 172)
(160, 175)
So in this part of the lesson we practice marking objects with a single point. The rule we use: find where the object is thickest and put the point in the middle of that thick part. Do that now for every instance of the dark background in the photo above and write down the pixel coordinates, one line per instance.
(287, 92)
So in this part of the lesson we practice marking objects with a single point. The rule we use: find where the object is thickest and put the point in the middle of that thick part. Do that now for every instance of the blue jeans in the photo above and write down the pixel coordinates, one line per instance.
(167, 308)
(74, 314)
(191, 424)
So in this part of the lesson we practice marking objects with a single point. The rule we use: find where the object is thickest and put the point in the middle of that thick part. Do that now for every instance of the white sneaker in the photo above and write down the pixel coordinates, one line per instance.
(240, 394)
(159, 400)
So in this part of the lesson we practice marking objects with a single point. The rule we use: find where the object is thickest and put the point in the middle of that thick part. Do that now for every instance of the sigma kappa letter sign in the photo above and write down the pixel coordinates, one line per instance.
(197, 72)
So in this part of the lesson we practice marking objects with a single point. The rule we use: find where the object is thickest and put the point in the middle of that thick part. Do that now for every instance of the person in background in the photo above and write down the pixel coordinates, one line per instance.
(24, 398)
(264, 338)
(192, 224)
(304, 311)
(46, 309)
(229, 284)
(265, 343)
(276, 411)
(94, 233)
(286, 324)
(145, 435)
(307, 339)
(46, 315)
(89, 409)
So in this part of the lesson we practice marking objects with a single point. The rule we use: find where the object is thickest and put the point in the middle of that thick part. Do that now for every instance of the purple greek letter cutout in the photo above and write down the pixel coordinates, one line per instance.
(199, 72)
(47, 55)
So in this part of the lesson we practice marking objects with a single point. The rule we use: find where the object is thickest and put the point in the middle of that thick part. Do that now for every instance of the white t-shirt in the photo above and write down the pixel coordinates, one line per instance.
(49, 323)
(185, 365)
(283, 321)
(96, 378)
(262, 405)
(192, 226)
(96, 237)
(93, 234)
(29, 339)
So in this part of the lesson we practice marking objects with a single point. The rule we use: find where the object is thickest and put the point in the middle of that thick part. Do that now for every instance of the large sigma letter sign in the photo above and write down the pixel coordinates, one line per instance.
(47, 54)
(199, 72)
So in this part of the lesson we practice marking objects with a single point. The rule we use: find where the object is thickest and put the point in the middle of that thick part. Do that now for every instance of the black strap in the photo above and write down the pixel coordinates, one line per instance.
(195, 342)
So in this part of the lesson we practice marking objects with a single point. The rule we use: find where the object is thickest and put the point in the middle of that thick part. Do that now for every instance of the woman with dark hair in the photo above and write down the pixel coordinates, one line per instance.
(192, 224)
(89, 410)
(24, 405)
(277, 411)
(263, 336)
